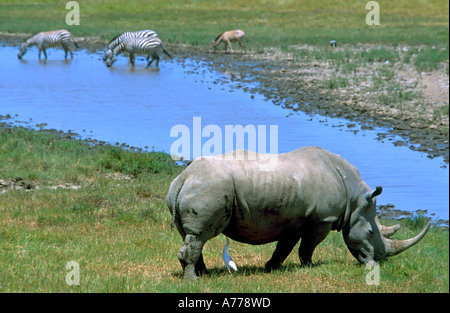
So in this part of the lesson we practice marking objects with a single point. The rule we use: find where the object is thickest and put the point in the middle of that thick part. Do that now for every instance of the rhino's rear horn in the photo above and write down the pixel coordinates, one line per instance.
(393, 246)
(387, 231)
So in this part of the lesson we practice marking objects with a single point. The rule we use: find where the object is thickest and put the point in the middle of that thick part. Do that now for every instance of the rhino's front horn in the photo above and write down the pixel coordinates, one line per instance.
(393, 246)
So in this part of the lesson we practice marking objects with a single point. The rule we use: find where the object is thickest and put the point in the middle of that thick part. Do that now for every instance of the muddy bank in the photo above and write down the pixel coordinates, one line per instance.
(389, 212)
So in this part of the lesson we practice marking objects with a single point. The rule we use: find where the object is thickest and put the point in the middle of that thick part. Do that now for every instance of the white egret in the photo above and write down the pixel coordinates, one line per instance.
(227, 259)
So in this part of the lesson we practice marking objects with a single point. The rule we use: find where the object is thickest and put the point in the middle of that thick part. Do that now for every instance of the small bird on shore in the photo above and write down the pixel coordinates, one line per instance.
(227, 259)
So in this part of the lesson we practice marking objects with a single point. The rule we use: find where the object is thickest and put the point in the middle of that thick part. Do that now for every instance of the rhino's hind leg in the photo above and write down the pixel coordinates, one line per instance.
(283, 249)
(200, 267)
(311, 237)
(191, 257)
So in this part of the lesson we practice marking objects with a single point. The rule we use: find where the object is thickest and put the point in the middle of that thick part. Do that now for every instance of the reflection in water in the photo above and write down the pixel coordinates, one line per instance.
(140, 107)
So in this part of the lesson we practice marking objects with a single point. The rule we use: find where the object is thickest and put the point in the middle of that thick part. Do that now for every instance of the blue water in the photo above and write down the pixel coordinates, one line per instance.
(140, 106)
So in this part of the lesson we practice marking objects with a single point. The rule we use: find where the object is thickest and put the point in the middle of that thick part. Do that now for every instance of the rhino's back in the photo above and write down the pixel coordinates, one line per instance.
(306, 186)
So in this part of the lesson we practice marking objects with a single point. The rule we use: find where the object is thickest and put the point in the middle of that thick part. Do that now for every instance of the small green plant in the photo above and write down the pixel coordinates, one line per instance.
(430, 58)
(396, 95)
(337, 82)
(442, 110)
(416, 222)
(410, 54)
(382, 77)
(135, 162)
(380, 55)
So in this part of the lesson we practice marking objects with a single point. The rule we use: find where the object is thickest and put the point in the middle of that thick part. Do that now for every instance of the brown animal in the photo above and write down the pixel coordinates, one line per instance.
(229, 37)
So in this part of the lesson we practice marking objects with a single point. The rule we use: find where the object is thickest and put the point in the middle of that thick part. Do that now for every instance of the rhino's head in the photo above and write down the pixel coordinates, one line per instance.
(367, 239)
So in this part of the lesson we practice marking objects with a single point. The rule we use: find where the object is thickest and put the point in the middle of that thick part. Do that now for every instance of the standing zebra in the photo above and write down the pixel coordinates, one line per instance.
(45, 40)
(149, 46)
(147, 33)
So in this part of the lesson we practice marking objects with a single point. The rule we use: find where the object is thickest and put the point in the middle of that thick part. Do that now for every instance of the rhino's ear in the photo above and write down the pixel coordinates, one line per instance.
(377, 192)
(370, 195)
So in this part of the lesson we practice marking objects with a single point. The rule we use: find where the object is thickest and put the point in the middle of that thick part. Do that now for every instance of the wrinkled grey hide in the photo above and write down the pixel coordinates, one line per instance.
(310, 192)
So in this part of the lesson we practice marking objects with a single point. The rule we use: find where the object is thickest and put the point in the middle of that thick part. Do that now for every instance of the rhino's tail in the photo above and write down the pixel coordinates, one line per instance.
(172, 223)
(172, 198)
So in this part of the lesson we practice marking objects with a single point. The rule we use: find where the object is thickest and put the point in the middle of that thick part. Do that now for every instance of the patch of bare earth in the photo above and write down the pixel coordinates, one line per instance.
(25, 185)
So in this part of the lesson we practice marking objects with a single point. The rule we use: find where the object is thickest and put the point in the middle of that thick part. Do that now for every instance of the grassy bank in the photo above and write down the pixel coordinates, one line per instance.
(104, 207)
(267, 23)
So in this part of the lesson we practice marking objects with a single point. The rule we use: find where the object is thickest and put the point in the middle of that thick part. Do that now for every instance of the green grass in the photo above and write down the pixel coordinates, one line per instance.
(267, 23)
(430, 58)
(380, 55)
(34, 156)
(442, 111)
(116, 226)
(336, 82)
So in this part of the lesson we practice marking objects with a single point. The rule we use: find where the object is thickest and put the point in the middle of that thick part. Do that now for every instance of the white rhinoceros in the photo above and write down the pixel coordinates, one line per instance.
(310, 192)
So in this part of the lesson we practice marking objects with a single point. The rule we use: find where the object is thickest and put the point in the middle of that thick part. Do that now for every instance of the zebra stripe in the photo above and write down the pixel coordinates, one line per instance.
(146, 33)
(46, 40)
(149, 46)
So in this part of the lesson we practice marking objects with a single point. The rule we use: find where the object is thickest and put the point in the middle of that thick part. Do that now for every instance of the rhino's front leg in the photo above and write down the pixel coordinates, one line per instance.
(311, 237)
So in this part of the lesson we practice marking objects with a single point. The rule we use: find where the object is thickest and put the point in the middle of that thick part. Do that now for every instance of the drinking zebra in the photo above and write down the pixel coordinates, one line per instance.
(149, 46)
(46, 40)
(147, 33)
(229, 37)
